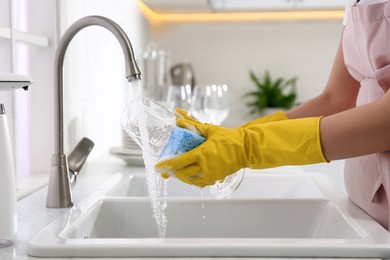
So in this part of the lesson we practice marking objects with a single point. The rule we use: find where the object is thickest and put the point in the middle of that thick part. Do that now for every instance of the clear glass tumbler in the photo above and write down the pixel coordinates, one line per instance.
(159, 122)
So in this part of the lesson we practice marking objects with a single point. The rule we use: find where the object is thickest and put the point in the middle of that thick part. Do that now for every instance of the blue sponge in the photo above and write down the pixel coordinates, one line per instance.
(180, 141)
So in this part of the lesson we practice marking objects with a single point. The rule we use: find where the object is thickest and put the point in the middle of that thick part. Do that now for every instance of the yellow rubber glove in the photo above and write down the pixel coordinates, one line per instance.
(286, 142)
(278, 116)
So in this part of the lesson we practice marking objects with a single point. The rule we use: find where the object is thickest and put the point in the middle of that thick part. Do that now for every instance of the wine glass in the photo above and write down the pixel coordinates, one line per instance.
(210, 103)
(197, 105)
(216, 104)
(179, 97)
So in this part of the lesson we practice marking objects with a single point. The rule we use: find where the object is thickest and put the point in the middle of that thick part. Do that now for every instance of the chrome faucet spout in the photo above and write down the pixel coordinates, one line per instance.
(59, 193)
(132, 69)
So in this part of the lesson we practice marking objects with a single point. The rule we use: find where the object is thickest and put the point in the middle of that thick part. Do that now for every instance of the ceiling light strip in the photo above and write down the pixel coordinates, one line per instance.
(239, 16)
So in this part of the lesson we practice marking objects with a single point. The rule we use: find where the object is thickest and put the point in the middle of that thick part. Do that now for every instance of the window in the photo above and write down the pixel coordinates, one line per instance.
(27, 30)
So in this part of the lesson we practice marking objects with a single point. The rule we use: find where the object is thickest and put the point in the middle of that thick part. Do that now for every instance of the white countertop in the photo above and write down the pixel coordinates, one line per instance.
(33, 215)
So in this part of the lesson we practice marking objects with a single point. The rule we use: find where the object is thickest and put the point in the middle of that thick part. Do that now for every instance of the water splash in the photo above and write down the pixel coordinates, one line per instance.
(157, 186)
(202, 197)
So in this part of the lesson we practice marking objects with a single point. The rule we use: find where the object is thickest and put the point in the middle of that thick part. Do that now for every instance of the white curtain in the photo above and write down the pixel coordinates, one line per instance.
(27, 34)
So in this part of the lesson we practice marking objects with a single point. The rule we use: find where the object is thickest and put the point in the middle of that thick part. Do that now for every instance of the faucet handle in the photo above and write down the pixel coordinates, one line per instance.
(59, 194)
(78, 156)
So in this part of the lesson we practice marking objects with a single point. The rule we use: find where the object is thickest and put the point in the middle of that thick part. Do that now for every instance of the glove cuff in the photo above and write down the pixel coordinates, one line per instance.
(287, 142)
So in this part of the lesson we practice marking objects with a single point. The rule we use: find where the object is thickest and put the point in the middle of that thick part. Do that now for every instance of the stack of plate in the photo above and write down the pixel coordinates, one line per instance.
(130, 151)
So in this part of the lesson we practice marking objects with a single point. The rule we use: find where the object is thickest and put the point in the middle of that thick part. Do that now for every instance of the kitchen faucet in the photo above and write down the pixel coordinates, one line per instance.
(59, 191)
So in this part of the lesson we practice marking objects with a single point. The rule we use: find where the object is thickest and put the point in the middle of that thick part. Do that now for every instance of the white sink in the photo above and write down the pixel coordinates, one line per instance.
(297, 185)
(114, 223)
(278, 219)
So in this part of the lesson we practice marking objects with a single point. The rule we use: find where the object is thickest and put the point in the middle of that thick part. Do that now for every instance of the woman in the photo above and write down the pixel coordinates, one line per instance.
(349, 120)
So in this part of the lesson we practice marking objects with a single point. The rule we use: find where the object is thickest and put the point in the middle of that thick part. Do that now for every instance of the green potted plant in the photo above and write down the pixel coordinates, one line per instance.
(278, 94)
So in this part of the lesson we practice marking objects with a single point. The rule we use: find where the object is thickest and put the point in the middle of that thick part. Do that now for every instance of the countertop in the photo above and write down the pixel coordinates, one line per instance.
(33, 215)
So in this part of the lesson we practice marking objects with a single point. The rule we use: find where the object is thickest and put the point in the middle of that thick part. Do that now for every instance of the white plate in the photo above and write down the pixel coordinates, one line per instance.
(130, 159)
(126, 151)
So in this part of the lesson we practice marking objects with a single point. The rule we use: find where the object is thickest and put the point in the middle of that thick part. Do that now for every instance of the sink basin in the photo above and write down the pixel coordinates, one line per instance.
(194, 219)
(253, 185)
(113, 222)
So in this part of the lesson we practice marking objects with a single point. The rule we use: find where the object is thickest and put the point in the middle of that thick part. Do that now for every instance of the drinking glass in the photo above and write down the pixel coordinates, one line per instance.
(159, 122)
(197, 110)
(179, 96)
(158, 119)
(156, 77)
(210, 103)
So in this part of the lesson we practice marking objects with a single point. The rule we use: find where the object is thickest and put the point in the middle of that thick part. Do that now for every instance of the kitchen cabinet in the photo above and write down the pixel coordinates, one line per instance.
(319, 4)
(180, 6)
(273, 5)
(251, 5)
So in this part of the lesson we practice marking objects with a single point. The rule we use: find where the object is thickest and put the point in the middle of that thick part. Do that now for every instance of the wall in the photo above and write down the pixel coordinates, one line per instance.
(225, 52)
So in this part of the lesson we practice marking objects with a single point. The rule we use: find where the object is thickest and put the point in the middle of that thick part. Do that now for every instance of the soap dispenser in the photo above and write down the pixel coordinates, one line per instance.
(8, 201)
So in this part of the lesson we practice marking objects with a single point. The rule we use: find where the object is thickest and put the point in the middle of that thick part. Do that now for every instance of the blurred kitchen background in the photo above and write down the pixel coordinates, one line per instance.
(286, 37)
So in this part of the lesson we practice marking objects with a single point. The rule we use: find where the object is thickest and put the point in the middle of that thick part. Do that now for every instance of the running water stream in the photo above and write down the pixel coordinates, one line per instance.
(157, 186)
